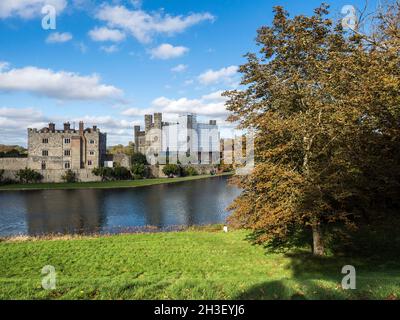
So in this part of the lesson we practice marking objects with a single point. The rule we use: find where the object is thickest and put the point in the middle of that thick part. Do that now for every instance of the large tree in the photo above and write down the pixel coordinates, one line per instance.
(323, 102)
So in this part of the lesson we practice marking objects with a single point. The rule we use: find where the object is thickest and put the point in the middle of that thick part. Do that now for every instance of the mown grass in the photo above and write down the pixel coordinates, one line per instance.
(183, 265)
(102, 185)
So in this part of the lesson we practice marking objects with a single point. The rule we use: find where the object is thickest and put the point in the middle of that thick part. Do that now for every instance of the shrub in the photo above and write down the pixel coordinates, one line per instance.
(1, 175)
(104, 172)
(138, 170)
(121, 173)
(69, 176)
(171, 170)
(28, 175)
(190, 171)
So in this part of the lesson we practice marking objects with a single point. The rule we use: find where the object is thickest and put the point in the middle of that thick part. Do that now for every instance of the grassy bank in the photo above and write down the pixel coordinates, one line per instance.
(183, 265)
(102, 185)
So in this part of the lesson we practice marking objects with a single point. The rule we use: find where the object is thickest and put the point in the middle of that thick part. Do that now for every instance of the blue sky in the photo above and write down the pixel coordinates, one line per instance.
(109, 62)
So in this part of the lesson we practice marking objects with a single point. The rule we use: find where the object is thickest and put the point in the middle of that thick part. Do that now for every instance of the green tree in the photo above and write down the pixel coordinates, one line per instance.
(139, 158)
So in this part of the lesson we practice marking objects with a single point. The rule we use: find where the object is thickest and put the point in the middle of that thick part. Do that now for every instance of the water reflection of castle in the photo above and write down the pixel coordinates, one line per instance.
(78, 211)
(98, 211)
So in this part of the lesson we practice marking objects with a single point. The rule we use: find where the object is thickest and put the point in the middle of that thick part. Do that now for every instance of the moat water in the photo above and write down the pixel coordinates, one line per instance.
(152, 208)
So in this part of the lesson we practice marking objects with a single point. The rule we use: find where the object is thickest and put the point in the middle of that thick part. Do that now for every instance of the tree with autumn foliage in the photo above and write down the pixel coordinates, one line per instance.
(324, 104)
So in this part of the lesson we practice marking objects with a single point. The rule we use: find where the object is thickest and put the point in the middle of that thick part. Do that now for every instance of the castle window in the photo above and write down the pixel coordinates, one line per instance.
(91, 141)
(89, 162)
(45, 153)
(45, 140)
(67, 153)
(67, 165)
(43, 165)
(91, 153)
(67, 140)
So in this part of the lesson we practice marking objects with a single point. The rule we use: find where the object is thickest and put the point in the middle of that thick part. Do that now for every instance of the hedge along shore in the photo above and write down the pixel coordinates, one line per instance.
(105, 184)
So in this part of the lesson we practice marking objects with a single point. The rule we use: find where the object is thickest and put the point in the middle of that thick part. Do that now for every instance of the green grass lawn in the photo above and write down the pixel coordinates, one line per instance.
(183, 265)
(102, 185)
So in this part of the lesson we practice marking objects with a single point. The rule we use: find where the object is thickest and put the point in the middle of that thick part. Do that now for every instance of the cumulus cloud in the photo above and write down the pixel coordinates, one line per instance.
(212, 104)
(137, 112)
(15, 121)
(143, 25)
(224, 75)
(106, 34)
(27, 9)
(59, 85)
(109, 49)
(4, 65)
(57, 37)
(167, 51)
(179, 68)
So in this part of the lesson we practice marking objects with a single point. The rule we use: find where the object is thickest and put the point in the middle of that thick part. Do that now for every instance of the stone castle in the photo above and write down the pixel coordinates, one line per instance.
(52, 152)
(187, 140)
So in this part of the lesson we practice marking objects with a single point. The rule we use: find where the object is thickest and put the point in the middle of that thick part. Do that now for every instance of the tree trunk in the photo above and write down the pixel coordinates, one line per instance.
(318, 245)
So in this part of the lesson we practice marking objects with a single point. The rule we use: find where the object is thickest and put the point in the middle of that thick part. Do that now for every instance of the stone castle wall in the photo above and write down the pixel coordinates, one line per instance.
(82, 175)
(13, 163)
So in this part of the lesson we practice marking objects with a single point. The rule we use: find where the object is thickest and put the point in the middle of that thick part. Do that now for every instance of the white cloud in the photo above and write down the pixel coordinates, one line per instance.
(225, 75)
(4, 65)
(136, 3)
(188, 82)
(106, 34)
(57, 37)
(15, 121)
(143, 26)
(82, 47)
(179, 68)
(212, 104)
(167, 51)
(137, 112)
(27, 9)
(59, 85)
(214, 96)
(109, 49)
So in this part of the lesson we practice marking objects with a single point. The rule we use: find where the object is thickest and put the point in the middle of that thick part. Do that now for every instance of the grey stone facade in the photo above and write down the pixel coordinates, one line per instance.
(51, 149)
(52, 152)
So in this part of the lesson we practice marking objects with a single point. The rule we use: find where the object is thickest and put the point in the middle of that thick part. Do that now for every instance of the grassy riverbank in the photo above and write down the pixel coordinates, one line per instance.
(103, 185)
(183, 265)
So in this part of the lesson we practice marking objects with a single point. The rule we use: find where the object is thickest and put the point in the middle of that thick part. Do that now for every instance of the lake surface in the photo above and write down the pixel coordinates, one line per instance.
(165, 206)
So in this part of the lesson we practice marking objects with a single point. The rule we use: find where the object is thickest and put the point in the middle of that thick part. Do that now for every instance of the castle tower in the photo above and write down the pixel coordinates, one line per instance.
(136, 132)
(158, 120)
(148, 121)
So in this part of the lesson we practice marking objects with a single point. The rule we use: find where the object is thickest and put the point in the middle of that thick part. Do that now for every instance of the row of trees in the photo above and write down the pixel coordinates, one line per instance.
(172, 170)
(325, 105)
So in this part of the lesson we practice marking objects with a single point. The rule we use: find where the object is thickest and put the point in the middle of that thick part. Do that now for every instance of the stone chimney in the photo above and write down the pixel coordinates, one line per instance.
(52, 127)
(67, 126)
(81, 127)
